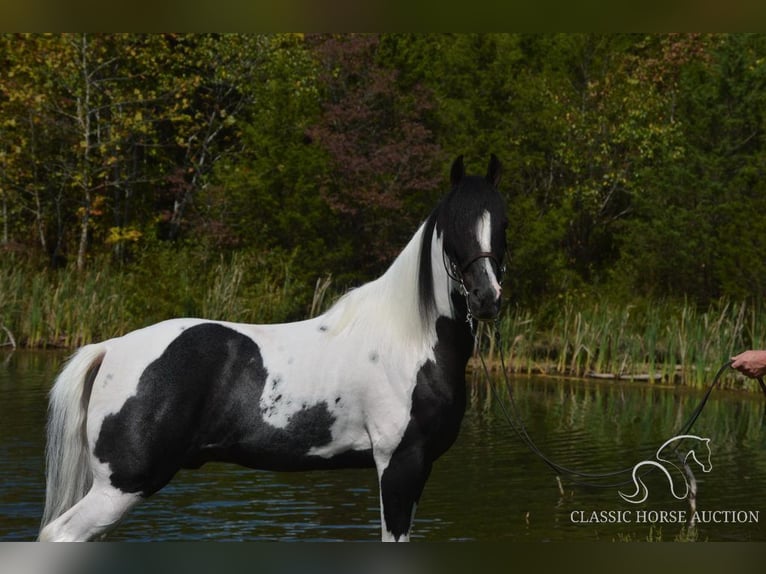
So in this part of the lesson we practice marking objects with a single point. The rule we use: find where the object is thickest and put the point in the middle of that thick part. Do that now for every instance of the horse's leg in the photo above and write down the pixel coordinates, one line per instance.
(92, 516)
(401, 484)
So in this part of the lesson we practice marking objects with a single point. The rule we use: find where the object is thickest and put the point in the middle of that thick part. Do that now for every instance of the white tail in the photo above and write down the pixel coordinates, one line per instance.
(68, 473)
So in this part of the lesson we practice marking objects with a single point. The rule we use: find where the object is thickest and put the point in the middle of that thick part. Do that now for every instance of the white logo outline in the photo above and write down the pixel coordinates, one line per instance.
(642, 488)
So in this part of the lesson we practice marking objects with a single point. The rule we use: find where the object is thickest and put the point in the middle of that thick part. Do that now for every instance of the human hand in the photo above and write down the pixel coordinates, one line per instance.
(750, 363)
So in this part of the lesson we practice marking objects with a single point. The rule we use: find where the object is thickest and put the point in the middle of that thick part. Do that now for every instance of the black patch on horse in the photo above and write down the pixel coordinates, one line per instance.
(438, 406)
(199, 402)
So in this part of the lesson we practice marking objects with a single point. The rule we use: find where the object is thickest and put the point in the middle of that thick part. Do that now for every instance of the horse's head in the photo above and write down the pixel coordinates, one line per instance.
(473, 224)
(702, 455)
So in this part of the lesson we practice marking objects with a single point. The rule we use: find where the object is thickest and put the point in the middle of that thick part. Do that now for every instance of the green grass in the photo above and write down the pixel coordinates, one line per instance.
(662, 341)
(685, 534)
(65, 308)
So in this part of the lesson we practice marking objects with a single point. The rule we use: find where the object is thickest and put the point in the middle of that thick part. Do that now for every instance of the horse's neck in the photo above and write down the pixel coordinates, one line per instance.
(393, 301)
(444, 330)
(447, 323)
(405, 270)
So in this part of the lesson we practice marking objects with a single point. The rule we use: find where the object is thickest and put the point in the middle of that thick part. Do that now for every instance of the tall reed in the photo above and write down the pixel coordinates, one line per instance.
(67, 307)
(669, 341)
(653, 340)
(60, 308)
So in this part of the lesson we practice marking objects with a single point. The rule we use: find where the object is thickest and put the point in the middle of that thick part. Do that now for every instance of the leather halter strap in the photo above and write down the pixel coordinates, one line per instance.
(481, 255)
(456, 272)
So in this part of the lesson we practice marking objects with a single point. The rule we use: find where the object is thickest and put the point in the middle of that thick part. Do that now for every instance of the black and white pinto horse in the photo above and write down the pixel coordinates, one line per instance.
(377, 381)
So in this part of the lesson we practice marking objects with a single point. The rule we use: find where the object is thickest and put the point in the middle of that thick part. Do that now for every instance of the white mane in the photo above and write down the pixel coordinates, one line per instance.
(390, 304)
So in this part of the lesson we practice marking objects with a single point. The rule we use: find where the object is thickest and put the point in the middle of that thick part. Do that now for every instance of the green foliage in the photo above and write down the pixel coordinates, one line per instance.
(246, 286)
(270, 195)
(657, 340)
(695, 228)
(633, 166)
(383, 175)
(67, 307)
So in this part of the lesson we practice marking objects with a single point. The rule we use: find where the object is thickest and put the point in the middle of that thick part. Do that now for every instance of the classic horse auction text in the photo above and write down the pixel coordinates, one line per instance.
(664, 516)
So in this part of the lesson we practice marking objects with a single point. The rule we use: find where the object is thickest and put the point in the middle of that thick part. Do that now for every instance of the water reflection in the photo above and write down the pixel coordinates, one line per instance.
(489, 486)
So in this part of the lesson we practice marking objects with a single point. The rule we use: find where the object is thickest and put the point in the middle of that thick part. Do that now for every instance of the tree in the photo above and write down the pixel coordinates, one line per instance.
(85, 97)
(23, 133)
(268, 196)
(105, 121)
(697, 230)
(213, 92)
(383, 155)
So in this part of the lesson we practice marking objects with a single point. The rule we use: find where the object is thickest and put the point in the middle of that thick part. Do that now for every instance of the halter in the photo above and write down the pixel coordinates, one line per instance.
(455, 272)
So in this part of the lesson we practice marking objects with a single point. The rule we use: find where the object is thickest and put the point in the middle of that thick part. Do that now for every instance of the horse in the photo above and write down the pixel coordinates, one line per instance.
(642, 491)
(377, 381)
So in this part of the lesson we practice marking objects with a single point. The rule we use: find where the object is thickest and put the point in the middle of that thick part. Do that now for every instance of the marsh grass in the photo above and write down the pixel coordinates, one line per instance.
(66, 308)
(654, 534)
(63, 309)
(672, 342)
(658, 341)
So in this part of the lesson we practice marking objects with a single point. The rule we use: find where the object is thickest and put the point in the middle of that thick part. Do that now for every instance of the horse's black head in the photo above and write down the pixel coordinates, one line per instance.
(472, 222)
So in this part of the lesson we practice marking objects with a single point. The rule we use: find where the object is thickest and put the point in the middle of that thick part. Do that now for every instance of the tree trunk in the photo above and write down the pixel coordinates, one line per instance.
(83, 112)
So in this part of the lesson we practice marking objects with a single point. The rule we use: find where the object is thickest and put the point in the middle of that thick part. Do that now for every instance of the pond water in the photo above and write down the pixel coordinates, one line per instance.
(489, 486)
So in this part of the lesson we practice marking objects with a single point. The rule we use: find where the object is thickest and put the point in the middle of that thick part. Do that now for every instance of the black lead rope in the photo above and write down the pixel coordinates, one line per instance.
(579, 477)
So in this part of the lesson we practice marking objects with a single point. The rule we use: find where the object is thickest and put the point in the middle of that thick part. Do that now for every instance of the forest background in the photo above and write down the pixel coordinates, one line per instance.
(253, 177)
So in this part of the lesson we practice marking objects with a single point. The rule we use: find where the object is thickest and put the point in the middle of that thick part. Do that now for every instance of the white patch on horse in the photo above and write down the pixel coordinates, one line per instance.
(375, 396)
(484, 231)
(484, 237)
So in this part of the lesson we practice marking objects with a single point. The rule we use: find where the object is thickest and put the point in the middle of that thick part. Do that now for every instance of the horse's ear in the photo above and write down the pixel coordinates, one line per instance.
(457, 172)
(494, 171)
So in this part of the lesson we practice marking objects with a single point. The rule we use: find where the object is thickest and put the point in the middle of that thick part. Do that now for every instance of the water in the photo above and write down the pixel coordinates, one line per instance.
(489, 486)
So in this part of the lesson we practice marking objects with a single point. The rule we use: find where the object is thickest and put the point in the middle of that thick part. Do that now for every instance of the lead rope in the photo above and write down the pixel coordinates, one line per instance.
(520, 429)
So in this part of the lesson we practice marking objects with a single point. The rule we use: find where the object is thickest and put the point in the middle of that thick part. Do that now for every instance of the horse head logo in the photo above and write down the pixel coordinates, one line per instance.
(699, 452)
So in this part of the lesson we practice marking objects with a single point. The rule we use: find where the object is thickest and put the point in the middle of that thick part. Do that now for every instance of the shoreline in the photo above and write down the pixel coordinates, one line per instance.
(730, 381)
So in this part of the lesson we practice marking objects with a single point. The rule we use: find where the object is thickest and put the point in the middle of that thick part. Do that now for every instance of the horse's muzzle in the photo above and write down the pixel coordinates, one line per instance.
(484, 303)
